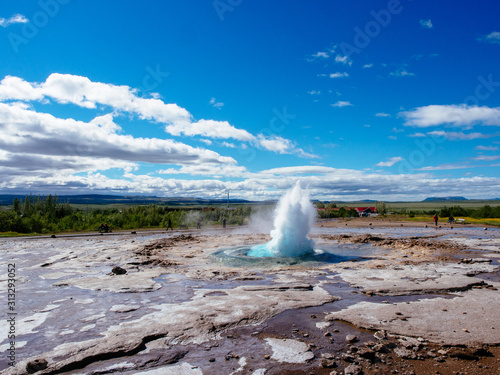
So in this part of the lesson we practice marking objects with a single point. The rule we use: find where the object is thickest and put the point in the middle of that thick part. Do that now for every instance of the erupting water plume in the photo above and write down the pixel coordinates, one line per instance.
(293, 220)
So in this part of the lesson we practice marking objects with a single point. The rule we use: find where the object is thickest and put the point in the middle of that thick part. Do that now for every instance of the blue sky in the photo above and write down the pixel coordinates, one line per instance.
(387, 100)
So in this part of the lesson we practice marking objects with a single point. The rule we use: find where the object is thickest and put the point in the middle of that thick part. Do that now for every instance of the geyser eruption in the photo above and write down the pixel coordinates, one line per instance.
(293, 220)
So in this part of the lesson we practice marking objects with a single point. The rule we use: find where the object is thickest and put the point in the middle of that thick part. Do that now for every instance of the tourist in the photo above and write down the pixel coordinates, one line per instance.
(451, 219)
(198, 224)
(436, 220)
(169, 224)
(223, 222)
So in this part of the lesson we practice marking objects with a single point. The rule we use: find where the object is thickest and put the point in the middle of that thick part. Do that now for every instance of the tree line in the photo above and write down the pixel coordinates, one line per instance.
(46, 214)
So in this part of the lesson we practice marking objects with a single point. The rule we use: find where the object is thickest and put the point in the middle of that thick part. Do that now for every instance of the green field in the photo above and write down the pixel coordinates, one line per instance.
(424, 206)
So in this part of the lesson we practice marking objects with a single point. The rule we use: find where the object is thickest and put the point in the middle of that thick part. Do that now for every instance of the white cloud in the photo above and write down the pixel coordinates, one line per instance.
(29, 132)
(216, 104)
(447, 166)
(66, 88)
(228, 144)
(486, 157)
(486, 148)
(16, 18)
(298, 170)
(210, 129)
(323, 182)
(321, 55)
(42, 153)
(493, 38)
(341, 104)
(343, 60)
(276, 144)
(401, 72)
(314, 92)
(339, 75)
(426, 24)
(381, 114)
(281, 145)
(390, 162)
(366, 66)
(460, 136)
(213, 170)
(455, 115)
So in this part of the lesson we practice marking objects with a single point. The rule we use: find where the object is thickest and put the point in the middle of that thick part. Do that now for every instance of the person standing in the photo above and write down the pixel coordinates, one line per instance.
(169, 224)
(436, 220)
(223, 222)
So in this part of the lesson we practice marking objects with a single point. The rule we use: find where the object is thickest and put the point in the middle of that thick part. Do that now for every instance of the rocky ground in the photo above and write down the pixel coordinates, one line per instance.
(399, 299)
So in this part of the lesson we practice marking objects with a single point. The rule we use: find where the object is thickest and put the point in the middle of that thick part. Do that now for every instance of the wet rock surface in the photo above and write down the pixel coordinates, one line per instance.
(412, 299)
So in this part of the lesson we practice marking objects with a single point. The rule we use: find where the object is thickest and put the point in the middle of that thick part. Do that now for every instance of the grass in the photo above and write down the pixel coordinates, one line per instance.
(486, 221)
(14, 234)
(424, 206)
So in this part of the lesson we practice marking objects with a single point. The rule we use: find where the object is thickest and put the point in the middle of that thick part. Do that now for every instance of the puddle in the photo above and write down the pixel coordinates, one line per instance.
(324, 254)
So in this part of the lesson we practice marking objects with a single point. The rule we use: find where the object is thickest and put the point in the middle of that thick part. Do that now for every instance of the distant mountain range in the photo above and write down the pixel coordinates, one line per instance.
(433, 199)
(6, 199)
(119, 199)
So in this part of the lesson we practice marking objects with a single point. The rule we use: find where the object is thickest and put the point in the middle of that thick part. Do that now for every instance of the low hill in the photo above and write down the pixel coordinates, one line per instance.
(444, 199)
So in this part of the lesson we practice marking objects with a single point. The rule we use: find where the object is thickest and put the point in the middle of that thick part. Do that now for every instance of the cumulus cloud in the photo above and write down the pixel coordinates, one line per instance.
(454, 115)
(228, 145)
(343, 60)
(339, 75)
(210, 129)
(381, 114)
(28, 131)
(16, 18)
(42, 153)
(341, 104)
(390, 162)
(493, 37)
(276, 144)
(81, 91)
(324, 183)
